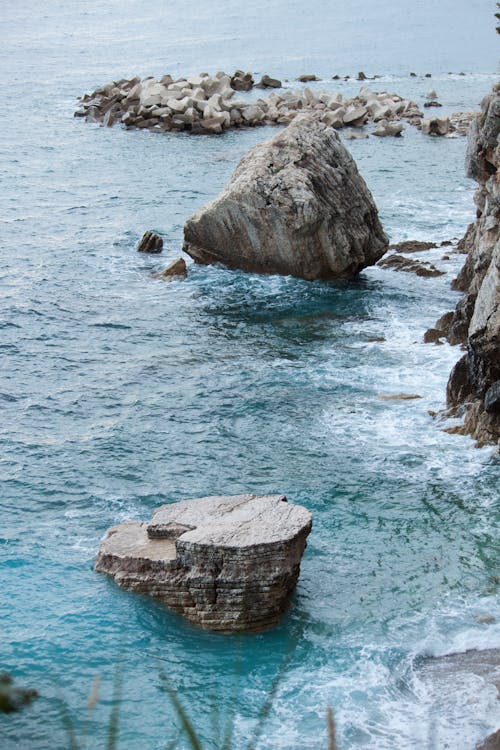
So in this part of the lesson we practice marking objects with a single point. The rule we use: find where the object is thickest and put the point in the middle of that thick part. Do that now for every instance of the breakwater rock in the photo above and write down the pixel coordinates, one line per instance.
(474, 384)
(207, 104)
(295, 205)
(225, 563)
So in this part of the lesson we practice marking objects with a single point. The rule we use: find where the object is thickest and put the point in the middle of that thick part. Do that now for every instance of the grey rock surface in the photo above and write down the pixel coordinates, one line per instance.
(227, 563)
(476, 319)
(295, 205)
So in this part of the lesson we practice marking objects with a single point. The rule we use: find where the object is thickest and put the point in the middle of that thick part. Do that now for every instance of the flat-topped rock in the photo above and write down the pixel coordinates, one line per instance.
(227, 563)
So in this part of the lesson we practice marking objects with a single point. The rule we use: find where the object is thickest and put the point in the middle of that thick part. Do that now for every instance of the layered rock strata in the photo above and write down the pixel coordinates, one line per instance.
(296, 205)
(225, 563)
(207, 105)
(474, 384)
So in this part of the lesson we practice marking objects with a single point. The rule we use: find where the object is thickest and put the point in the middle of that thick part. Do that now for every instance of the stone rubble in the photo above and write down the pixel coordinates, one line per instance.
(207, 104)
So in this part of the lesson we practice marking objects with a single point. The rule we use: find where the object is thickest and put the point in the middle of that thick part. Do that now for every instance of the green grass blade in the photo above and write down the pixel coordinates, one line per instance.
(179, 710)
(114, 716)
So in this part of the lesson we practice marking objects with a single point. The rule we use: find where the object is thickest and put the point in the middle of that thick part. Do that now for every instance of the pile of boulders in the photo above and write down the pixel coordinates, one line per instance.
(206, 104)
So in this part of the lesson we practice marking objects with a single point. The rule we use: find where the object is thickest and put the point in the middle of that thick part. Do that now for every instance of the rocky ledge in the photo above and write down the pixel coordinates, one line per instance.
(474, 385)
(206, 105)
(225, 563)
(295, 205)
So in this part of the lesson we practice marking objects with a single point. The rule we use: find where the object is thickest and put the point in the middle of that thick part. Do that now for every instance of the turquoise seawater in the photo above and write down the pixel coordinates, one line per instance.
(119, 392)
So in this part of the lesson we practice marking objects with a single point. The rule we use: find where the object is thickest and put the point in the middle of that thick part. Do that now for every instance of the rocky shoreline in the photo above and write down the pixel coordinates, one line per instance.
(206, 105)
(473, 390)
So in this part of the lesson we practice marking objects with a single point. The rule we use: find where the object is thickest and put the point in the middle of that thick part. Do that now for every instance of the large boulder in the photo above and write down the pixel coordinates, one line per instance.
(295, 205)
(225, 563)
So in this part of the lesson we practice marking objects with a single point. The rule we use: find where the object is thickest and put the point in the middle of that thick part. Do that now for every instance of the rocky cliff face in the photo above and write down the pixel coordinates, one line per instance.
(474, 384)
(295, 205)
(225, 563)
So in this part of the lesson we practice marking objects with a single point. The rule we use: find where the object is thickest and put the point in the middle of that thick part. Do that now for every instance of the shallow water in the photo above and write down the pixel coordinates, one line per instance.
(120, 392)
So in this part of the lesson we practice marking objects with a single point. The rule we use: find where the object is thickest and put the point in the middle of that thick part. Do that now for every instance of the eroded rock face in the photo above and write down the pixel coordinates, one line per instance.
(225, 563)
(295, 205)
(477, 317)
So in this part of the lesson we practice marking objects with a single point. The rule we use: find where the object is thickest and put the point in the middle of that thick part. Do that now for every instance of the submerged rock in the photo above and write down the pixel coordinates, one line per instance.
(409, 265)
(296, 205)
(225, 563)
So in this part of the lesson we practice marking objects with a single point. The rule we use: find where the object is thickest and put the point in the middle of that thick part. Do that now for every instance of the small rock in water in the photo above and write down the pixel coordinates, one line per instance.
(361, 76)
(431, 95)
(409, 265)
(175, 270)
(266, 82)
(150, 243)
(436, 126)
(306, 77)
(432, 104)
(13, 698)
(241, 81)
(485, 619)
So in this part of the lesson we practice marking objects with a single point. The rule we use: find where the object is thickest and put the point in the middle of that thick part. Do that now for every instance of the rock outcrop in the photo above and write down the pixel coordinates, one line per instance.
(225, 563)
(475, 379)
(295, 205)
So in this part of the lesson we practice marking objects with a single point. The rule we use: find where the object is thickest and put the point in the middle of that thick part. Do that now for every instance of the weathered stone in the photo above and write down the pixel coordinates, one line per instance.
(385, 129)
(225, 563)
(242, 81)
(266, 82)
(477, 316)
(150, 243)
(306, 77)
(492, 742)
(175, 270)
(355, 116)
(297, 205)
(409, 265)
(412, 246)
(436, 126)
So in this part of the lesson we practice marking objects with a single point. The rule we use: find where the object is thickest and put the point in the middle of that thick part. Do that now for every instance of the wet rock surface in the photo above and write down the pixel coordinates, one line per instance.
(409, 265)
(150, 243)
(476, 320)
(226, 563)
(295, 205)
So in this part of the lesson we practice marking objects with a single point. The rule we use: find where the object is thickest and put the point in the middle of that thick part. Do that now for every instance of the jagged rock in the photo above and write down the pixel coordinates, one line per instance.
(492, 398)
(361, 76)
(225, 563)
(412, 246)
(150, 243)
(492, 742)
(409, 265)
(241, 81)
(477, 317)
(296, 205)
(175, 270)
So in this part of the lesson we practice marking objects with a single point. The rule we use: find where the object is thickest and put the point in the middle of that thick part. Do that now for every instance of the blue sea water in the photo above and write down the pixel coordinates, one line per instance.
(119, 392)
